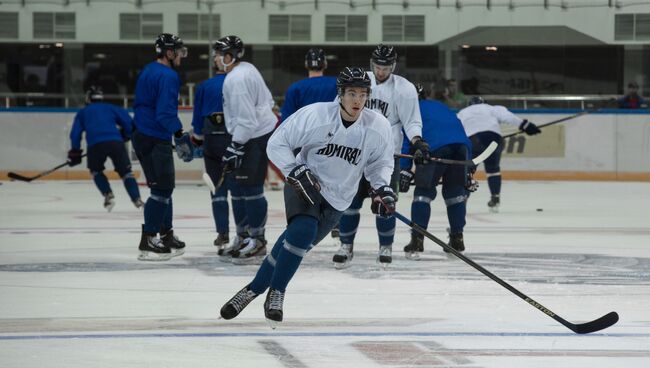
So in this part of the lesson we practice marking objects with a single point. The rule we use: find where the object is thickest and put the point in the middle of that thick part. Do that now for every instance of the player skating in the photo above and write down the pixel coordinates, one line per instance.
(481, 122)
(99, 121)
(341, 142)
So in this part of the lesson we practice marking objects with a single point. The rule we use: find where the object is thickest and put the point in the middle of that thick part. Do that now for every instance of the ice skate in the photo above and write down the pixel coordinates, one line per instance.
(109, 201)
(344, 256)
(152, 249)
(385, 257)
(172, 242)
(456, 242)
(237, 303)
(253, 251)
(221, 242)
(236, 244)
(138, 203)
(413, 249)
(493, 204)
(273, 307)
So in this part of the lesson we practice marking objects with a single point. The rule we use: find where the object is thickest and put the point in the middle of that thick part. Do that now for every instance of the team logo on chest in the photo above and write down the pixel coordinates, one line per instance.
(350, 154)
(378, 105)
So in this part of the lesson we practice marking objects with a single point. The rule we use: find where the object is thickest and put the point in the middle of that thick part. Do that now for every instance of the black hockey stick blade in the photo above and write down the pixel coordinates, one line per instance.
(581, 328)
(596, 325)
(19, 177)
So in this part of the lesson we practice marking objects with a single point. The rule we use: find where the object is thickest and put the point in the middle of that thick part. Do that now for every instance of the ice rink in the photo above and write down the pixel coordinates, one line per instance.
(74, 295)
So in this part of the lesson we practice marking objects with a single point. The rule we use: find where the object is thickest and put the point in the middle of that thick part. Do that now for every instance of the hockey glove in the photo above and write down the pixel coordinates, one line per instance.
(232, 160)
(74, 157)
(420, 151)
(383, 202)
(471, 184)
(184, 148)
(405, 179)
(529, 128)
(305, 184)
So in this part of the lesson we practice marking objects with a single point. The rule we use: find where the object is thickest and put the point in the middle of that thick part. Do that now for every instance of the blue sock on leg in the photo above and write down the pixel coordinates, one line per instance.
(131, 186)
(264, 274)
(155, 210)
(350, 221)
(385, 229)
(101, 181)
(220, 209)
(300, 235)
(421, 206)
(256, 209)
(238, 206)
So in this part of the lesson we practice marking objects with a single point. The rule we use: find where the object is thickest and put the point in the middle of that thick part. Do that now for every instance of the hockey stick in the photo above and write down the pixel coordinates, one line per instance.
(208, 181)
(553, 122)
(480, 158)
(580, 328)
(19, 177)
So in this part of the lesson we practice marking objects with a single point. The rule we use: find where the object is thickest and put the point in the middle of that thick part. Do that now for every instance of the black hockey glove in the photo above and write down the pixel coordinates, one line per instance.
(74, 157)
(233, 158)
(305, 184)
(383, 201)
(405, 179)
(529, 128)
(471, 184)
(420, 151)
(184, 148)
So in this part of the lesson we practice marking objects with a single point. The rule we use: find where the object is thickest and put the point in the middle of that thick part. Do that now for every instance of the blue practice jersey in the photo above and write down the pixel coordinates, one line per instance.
(440, 127)
(307, 91)
(100, 120)
(156, 101)
(208, 99)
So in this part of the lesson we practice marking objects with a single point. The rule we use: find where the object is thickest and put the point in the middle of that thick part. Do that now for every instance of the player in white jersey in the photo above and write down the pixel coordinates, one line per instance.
(340, 142)
(249, 119)
(396, 99)
(481, 122)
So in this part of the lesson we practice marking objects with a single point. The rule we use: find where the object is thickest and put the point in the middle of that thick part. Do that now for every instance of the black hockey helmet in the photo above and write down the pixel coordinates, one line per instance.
(232, 45)
(352, 77)
(168, 41)
(315, 59)
(384, 55)
(94, 94)
(476, 100)
(422, 92)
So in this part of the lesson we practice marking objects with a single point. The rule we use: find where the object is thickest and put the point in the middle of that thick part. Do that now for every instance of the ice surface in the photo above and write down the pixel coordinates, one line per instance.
(72, 293)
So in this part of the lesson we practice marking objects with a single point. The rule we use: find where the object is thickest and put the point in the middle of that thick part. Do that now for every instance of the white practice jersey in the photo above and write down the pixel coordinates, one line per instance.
(397, 99)
(247, 104)
(336, 155)
(483, 117)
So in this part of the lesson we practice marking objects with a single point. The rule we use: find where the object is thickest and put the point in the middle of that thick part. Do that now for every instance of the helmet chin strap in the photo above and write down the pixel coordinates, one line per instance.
(344, 109)
(225, 66)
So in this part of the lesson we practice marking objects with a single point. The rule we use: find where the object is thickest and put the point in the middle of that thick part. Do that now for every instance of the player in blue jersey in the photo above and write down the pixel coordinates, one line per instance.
(209, 131)
(104, 140)
(156, 121)
(315, 88)
(444, 133)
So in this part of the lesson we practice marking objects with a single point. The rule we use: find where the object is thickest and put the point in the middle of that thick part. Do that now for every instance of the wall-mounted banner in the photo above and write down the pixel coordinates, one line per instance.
(550, 143)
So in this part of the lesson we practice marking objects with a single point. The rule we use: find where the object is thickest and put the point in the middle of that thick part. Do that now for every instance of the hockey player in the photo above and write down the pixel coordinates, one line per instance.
(156, 121)
(395, 98)
(444, 133)
(340, 142)
(481, 122)
(315, 88)
(104, 140)
(209, 131)
(249, 119)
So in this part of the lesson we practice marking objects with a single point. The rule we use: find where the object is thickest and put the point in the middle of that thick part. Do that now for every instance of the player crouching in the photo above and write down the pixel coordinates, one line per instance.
(340, 143)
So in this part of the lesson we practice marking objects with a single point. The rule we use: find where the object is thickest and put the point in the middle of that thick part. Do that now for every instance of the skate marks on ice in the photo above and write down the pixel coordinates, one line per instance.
(542, 268)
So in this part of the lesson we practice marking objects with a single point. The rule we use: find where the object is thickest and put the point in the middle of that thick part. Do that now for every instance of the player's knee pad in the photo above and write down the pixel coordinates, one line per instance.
(300, 234)
(454, 195)
(252, 192)
(425, 195)
(161, 195)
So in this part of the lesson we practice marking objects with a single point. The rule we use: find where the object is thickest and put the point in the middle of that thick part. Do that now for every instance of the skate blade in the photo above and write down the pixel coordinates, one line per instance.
(413, 256)
(273, 323)
(342, 265)
(257, 260)
(177, 252)
(153, 257)
(109, 208)
(494, 209)
(384, 265)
